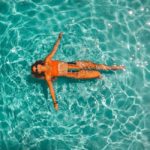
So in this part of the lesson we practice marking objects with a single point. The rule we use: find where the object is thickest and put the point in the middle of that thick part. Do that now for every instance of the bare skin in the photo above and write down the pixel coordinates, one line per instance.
(84, 70)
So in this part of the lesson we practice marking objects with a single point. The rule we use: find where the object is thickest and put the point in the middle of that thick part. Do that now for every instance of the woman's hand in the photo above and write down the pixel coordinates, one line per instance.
(56, 105)
(60, 35)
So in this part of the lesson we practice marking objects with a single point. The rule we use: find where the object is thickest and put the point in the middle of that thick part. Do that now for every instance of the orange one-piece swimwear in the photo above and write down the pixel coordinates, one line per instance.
(54, 68)
(58, 68)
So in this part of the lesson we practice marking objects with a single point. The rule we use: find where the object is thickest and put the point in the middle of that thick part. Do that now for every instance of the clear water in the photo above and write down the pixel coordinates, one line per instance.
(108, 114)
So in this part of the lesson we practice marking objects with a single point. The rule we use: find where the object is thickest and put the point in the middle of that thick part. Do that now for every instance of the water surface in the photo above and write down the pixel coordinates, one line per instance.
(108, 114)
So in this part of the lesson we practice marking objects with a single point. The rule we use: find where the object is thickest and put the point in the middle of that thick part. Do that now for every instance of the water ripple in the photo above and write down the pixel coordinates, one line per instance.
(112, 113)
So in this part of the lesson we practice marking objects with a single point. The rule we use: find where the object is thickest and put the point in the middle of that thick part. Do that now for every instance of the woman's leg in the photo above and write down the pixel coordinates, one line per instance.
(90, 65)
(84, 74)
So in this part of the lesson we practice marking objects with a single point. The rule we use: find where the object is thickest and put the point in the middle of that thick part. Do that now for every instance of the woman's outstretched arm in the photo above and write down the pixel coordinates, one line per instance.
(50, 85)
(49, 57)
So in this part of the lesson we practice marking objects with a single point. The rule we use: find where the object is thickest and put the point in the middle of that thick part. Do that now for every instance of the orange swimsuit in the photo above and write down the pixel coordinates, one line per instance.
(54, 66)
(58, 68)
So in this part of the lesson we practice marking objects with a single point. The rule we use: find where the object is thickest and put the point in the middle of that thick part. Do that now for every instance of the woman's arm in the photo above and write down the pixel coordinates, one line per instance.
(50, 85)
(54, 48)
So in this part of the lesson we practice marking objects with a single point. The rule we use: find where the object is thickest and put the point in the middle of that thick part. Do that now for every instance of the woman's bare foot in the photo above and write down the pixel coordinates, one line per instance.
(117, 67)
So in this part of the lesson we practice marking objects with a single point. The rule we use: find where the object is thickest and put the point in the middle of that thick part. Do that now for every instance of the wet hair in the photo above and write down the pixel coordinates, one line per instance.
(36, 74)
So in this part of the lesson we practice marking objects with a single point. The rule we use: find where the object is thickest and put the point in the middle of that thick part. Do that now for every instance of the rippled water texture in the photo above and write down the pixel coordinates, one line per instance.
(108, 114)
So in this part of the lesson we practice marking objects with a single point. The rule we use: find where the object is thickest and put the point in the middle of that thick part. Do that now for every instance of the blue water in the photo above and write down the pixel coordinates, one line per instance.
(108, 114)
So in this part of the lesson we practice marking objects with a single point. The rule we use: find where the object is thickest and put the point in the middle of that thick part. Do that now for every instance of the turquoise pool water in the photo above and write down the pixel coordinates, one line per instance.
(108, 114)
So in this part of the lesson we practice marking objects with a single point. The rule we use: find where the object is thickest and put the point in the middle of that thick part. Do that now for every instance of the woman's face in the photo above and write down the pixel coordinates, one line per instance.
(39, 68)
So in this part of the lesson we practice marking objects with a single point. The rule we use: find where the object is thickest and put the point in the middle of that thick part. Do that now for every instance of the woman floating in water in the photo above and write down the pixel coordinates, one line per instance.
(49, 69)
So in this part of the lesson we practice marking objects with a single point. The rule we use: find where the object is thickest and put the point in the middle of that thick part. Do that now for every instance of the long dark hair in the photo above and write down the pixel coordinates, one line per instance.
(36, 74)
